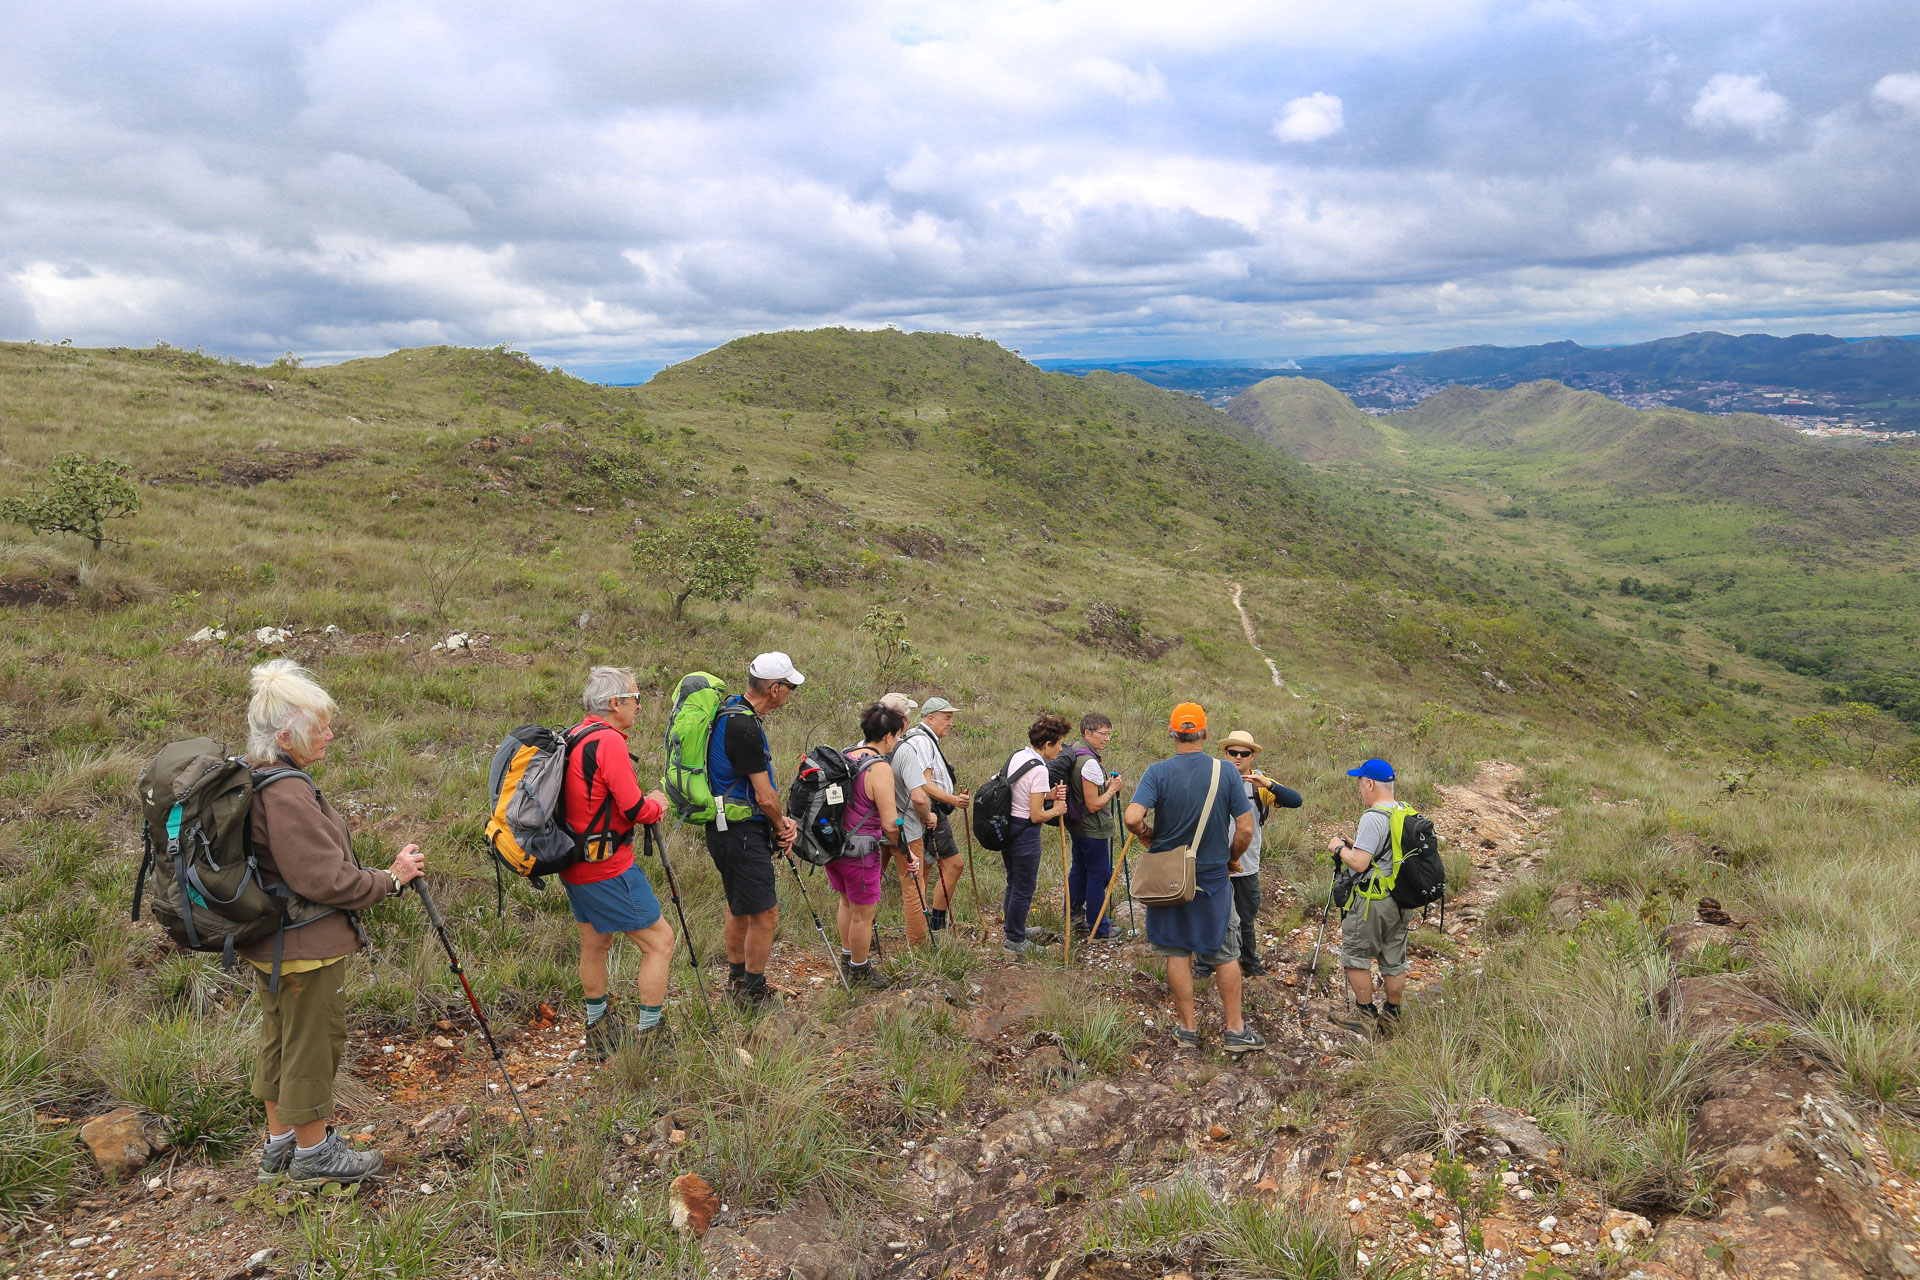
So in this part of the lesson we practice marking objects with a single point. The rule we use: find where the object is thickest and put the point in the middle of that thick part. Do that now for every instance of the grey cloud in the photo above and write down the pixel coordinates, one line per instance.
(653, 180)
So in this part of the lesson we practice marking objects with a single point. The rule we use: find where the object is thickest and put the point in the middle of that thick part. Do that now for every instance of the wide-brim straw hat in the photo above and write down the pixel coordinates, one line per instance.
(1241, 738)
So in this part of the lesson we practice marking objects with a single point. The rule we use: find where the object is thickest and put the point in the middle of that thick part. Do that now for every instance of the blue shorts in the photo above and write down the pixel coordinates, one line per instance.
(620, 905)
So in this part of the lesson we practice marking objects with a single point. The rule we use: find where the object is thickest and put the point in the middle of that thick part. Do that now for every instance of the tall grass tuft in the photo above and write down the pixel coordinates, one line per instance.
(1245, 1239)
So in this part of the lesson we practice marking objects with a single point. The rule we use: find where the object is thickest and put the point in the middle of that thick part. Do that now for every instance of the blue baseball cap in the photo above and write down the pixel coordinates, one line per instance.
(1373, 770)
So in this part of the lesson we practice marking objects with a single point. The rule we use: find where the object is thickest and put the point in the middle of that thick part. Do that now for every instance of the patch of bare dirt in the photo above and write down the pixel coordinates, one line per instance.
(243, 471)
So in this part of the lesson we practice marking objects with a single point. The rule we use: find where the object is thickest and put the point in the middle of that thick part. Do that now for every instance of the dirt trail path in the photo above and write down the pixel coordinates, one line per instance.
(1246, 626)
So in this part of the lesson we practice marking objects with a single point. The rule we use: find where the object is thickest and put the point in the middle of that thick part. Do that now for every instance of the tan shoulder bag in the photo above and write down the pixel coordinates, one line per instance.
(1168, 878)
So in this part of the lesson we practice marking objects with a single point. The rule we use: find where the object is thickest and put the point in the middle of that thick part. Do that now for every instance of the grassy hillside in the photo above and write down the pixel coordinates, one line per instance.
(1048, 541)
(1747, 541)
(1309, 420)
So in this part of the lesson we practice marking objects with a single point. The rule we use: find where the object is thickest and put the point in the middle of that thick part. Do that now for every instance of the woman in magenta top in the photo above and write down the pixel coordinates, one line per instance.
(871, 826)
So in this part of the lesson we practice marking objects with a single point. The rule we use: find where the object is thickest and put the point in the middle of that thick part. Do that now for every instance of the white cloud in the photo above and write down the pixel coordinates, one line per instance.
(1309, 119)
(635, 182)
(1900, 90)
(1732, 101)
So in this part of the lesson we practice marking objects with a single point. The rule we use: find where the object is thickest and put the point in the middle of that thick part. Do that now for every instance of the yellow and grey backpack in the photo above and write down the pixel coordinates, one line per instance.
(527, 828)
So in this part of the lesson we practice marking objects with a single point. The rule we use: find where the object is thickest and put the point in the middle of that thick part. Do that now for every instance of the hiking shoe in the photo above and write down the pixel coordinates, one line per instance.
(867, 977)
(1250, 967)
(1247, 1041)
(274, 1161)
(1016, 949)
(608, 1036)
(1389, 1016)
(1042, 937)
(754, 993)
(1363, 1018)
(1201, 969)
(333, 1161)
(644, 1039)
(1185, 1039)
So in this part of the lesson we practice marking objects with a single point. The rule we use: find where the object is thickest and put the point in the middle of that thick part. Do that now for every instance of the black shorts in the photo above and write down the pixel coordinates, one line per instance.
(743, 853)
(940, 841)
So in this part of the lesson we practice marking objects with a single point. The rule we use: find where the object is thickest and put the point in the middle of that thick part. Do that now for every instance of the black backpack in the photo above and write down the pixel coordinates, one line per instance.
(1420, 877)
(817, 802)
(993, 807)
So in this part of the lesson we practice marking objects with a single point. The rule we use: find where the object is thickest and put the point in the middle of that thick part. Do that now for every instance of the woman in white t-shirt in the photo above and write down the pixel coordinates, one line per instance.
(1034, 803)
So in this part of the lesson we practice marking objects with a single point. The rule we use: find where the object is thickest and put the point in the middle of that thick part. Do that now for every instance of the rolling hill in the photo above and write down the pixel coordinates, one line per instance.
(449, 539)
(1798, 551)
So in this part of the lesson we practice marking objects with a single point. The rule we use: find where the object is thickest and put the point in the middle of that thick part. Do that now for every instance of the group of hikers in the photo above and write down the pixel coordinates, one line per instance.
(1197, 819)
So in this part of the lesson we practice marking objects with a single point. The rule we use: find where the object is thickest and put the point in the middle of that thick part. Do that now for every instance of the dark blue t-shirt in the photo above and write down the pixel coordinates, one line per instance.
(1174, 790)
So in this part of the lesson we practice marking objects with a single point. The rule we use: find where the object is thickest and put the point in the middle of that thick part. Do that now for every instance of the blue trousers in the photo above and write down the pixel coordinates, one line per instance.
(1088, 880)
(1022, 859)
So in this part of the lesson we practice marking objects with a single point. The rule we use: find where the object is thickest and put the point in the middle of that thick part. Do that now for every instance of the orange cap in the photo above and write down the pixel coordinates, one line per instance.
(1188, 717)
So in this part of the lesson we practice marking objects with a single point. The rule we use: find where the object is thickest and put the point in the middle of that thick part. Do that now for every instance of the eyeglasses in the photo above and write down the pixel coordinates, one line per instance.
(786, 684)
(1239, 755)
(626, 697)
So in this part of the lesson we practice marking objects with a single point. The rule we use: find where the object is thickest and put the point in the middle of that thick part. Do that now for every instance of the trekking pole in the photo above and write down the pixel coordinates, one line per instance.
(979, 912)
(1133, 916)
(833, 952)
(1066, 897)
(905, 855)
(446, 941)
(1314, 966)
(1112, 880)
(656, 844)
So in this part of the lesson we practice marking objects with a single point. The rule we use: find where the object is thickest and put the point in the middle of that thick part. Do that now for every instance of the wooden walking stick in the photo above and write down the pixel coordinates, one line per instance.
(979, 913)
(1113, 878)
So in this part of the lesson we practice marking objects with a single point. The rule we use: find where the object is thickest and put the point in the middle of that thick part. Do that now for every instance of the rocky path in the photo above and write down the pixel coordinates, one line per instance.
(1009, 1189)
(1246, 627)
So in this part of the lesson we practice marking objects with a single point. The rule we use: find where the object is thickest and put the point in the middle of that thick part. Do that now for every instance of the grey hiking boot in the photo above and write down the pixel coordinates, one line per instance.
(1247, 1041)
(333, 1161)
(867, 977)
(274, 1160)
(1185, 1039)
(607, 1036)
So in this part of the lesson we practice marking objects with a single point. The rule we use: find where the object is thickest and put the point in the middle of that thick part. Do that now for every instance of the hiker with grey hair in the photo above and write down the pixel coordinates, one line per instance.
(301, 841)
(609, 894)
(925, 779)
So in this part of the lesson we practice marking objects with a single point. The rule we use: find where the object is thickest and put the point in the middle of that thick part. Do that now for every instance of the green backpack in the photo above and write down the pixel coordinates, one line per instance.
(696, 709)
(199, 875)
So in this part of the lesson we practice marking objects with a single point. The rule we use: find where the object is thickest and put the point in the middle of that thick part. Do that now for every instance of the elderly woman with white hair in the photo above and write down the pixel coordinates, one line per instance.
(302, 842)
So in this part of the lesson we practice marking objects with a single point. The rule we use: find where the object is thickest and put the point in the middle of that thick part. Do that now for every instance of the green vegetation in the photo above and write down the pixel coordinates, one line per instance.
(1243, 1238)
(1014, 540)
(1727, 540)
(83, 493)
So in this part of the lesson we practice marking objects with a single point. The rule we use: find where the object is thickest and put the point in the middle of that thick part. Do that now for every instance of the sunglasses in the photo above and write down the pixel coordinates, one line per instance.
(1239, 755)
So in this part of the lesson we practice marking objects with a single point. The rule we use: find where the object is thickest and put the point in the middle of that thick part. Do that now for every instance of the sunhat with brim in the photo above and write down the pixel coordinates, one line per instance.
(1241, 738)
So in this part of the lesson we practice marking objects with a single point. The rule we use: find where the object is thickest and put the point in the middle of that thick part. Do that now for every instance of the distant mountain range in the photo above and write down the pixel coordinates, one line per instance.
(1810, 378)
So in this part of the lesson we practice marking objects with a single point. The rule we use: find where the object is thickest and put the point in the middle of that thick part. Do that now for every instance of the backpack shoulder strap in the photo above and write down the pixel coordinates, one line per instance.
(264, 778)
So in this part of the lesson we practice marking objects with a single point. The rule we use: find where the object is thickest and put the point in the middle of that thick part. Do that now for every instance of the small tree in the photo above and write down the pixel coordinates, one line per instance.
(82, 493)
(712, 557)
(1856, 731)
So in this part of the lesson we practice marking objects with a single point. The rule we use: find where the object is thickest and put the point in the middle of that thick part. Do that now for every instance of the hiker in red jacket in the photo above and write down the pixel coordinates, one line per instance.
(609, 894)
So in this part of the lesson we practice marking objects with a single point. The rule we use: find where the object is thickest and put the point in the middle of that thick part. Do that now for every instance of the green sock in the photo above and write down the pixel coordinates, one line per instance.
(596, 1009)
(649, 1016)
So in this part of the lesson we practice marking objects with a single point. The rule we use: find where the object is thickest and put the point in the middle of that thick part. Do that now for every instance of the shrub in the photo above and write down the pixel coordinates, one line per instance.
(83, 493)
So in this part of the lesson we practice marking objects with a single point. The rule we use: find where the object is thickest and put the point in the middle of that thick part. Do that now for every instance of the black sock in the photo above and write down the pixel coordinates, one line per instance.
(939, 919)
(1391, 1008)
(752, 979)
(736, 970)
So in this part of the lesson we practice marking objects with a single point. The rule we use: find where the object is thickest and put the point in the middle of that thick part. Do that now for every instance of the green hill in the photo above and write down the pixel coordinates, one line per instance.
(927, 513)
(1310, 420)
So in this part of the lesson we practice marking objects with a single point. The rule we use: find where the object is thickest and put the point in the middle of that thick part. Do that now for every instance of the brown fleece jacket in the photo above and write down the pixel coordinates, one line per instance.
(300, 839)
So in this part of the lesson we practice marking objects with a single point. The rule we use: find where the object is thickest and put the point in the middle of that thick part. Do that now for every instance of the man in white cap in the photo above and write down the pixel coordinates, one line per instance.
(740, 769)
(920, 768)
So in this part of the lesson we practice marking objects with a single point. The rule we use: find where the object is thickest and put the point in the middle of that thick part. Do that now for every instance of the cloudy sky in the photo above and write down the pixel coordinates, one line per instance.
(609, 186)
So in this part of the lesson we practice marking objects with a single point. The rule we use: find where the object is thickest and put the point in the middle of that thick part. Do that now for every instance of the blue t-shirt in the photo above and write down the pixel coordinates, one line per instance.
(1174, 790)
(738, 750)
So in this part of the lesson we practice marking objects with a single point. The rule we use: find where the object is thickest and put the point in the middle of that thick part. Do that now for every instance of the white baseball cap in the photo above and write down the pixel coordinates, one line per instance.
(775, 666)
